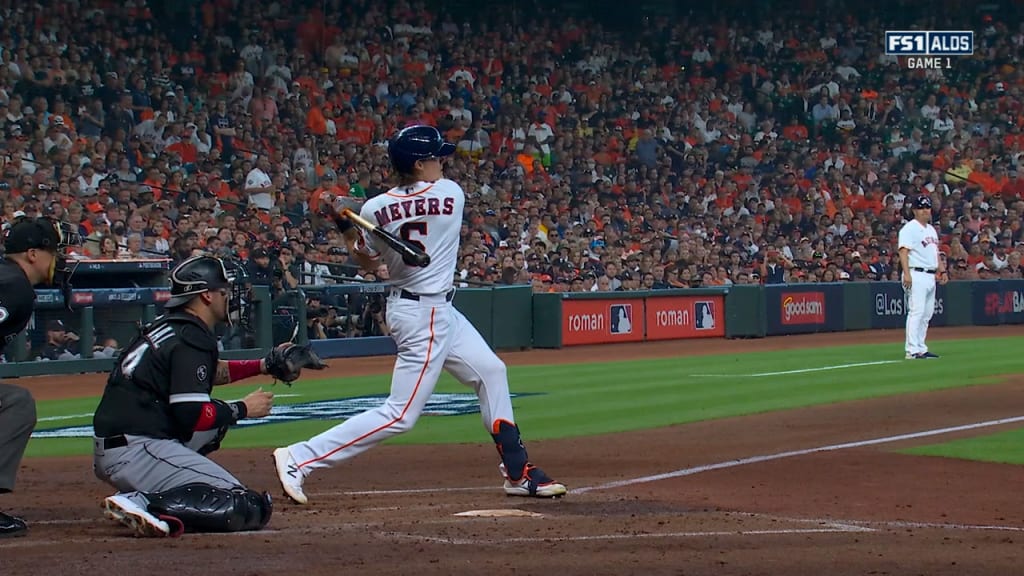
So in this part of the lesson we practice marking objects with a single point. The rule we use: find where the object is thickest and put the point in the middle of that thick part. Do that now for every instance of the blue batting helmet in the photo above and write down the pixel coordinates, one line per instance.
(417, 143)
(922, 201)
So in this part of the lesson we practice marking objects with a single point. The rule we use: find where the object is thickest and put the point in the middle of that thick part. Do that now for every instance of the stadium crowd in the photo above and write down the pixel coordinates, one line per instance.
(694, 150)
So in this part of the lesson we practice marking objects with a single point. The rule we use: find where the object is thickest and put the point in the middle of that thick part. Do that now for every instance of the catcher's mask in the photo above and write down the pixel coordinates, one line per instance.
(49, 234)
(201, 274)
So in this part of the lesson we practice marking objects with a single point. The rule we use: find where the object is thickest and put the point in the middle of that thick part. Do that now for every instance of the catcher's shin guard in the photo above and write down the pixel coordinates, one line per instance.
(203, 508)
(510, 448)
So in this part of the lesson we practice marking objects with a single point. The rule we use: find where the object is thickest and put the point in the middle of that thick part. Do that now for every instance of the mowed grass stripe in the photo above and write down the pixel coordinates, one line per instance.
(619, 396)
(1002, 447)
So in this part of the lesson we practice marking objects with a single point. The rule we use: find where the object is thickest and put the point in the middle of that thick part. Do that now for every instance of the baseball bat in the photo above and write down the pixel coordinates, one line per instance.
(410, 254)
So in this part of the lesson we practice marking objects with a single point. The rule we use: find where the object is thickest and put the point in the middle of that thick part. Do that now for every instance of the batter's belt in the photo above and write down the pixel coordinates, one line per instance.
(406, 295)
(925, 270)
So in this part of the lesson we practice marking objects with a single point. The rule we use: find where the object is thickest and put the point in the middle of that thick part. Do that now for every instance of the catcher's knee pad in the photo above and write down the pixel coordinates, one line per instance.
(203, 508)
(510, 448)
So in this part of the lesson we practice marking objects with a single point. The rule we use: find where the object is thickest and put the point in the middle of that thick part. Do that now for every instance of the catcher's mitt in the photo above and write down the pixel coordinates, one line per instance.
(285, 362)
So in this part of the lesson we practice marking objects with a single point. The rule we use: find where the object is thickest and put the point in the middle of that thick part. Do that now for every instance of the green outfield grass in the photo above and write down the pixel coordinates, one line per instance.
(595, 398)
(1003, 447)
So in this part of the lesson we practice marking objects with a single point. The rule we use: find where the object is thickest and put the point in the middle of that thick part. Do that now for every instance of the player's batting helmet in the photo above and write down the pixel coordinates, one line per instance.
(417, 143)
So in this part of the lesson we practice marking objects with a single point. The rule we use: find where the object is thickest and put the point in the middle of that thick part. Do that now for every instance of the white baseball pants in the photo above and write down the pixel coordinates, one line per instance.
(920, 307)
(431, 335)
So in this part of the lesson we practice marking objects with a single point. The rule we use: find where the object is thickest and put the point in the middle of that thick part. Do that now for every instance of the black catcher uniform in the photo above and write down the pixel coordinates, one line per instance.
(156, 422)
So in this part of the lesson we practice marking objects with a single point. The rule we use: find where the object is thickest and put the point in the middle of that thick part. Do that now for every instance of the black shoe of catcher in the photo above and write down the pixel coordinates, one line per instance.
(11, 526)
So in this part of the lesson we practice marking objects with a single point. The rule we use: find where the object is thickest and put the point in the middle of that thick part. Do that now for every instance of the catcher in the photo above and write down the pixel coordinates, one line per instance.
(156, 421)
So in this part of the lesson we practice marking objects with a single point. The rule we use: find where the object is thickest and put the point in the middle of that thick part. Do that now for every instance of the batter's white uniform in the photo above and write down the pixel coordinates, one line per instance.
(923, 244)
(429, 332)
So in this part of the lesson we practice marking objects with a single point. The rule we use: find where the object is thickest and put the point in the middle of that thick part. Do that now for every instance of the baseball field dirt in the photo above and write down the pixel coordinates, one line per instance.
(774, 493)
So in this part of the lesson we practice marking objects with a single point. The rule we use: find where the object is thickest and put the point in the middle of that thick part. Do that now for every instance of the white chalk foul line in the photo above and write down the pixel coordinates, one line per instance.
(792, 453)
(65, 417)
(801, 371)
(695, 469)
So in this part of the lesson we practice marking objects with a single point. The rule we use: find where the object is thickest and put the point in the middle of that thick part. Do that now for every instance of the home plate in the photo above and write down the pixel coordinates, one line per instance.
(502, 513)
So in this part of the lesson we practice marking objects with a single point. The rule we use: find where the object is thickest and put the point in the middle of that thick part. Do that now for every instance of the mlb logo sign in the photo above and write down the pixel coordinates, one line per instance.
(621, 319)
(704, 315)
(935, 43)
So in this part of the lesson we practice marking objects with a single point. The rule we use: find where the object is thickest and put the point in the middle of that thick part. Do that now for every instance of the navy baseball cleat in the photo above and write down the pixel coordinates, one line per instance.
(533, 483)
(11, 526)
(926, 356)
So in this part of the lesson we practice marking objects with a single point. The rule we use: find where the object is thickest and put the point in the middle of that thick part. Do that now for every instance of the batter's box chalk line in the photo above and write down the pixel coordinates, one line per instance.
(837, 529)
(875, 525)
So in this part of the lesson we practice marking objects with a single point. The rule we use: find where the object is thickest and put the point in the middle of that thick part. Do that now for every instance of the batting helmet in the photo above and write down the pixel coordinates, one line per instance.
(922, 201)
(194, 276)
(417, 143)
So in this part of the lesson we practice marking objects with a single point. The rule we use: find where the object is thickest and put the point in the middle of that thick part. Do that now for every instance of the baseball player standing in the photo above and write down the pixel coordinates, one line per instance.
(919, 256)
(33, 255)
(431, 334)
(156, 421)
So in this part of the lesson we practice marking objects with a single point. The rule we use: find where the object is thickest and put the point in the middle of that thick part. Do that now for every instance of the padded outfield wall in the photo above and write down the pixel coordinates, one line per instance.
(514, 318)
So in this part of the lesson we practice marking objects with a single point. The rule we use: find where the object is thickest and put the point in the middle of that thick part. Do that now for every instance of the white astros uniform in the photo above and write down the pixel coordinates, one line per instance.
(923, 243)
(429, 332)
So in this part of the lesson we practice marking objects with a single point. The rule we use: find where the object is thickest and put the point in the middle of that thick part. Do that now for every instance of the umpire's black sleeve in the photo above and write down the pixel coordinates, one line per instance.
(192, 372)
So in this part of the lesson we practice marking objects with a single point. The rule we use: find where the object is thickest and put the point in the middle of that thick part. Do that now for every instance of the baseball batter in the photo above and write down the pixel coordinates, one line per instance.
(919, 256)
(430, 333)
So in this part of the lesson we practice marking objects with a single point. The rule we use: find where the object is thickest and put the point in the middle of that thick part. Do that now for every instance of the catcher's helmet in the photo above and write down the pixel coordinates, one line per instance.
(922, 201)
(414, 143)
(194, 276)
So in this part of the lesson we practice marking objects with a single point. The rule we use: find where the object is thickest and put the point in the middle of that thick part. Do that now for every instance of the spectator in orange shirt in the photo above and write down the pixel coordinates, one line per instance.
(315, 120)
(795, 131)
(1013, 188)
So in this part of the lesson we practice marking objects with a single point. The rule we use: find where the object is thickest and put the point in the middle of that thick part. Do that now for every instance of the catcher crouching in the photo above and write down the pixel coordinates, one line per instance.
(156, 421)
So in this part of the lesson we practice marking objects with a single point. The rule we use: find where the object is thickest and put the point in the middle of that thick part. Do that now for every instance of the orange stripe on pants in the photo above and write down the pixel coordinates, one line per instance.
(419, 380)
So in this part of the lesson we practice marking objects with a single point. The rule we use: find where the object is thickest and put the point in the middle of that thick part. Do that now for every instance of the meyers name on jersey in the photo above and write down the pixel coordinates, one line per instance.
(419, 207)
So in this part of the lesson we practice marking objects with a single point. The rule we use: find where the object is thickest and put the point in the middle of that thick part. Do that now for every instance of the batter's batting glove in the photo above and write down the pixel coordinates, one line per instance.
(285, 362)
(336, 209)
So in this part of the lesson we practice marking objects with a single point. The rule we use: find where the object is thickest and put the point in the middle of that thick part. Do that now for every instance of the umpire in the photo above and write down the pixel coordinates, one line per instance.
(33, 255)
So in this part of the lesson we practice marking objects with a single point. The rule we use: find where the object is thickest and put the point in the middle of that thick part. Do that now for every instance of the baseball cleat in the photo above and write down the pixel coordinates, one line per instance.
(12, 526)
(289, 475)
(910, 356)
(927, 356)
(534, 483)
(122, 509)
